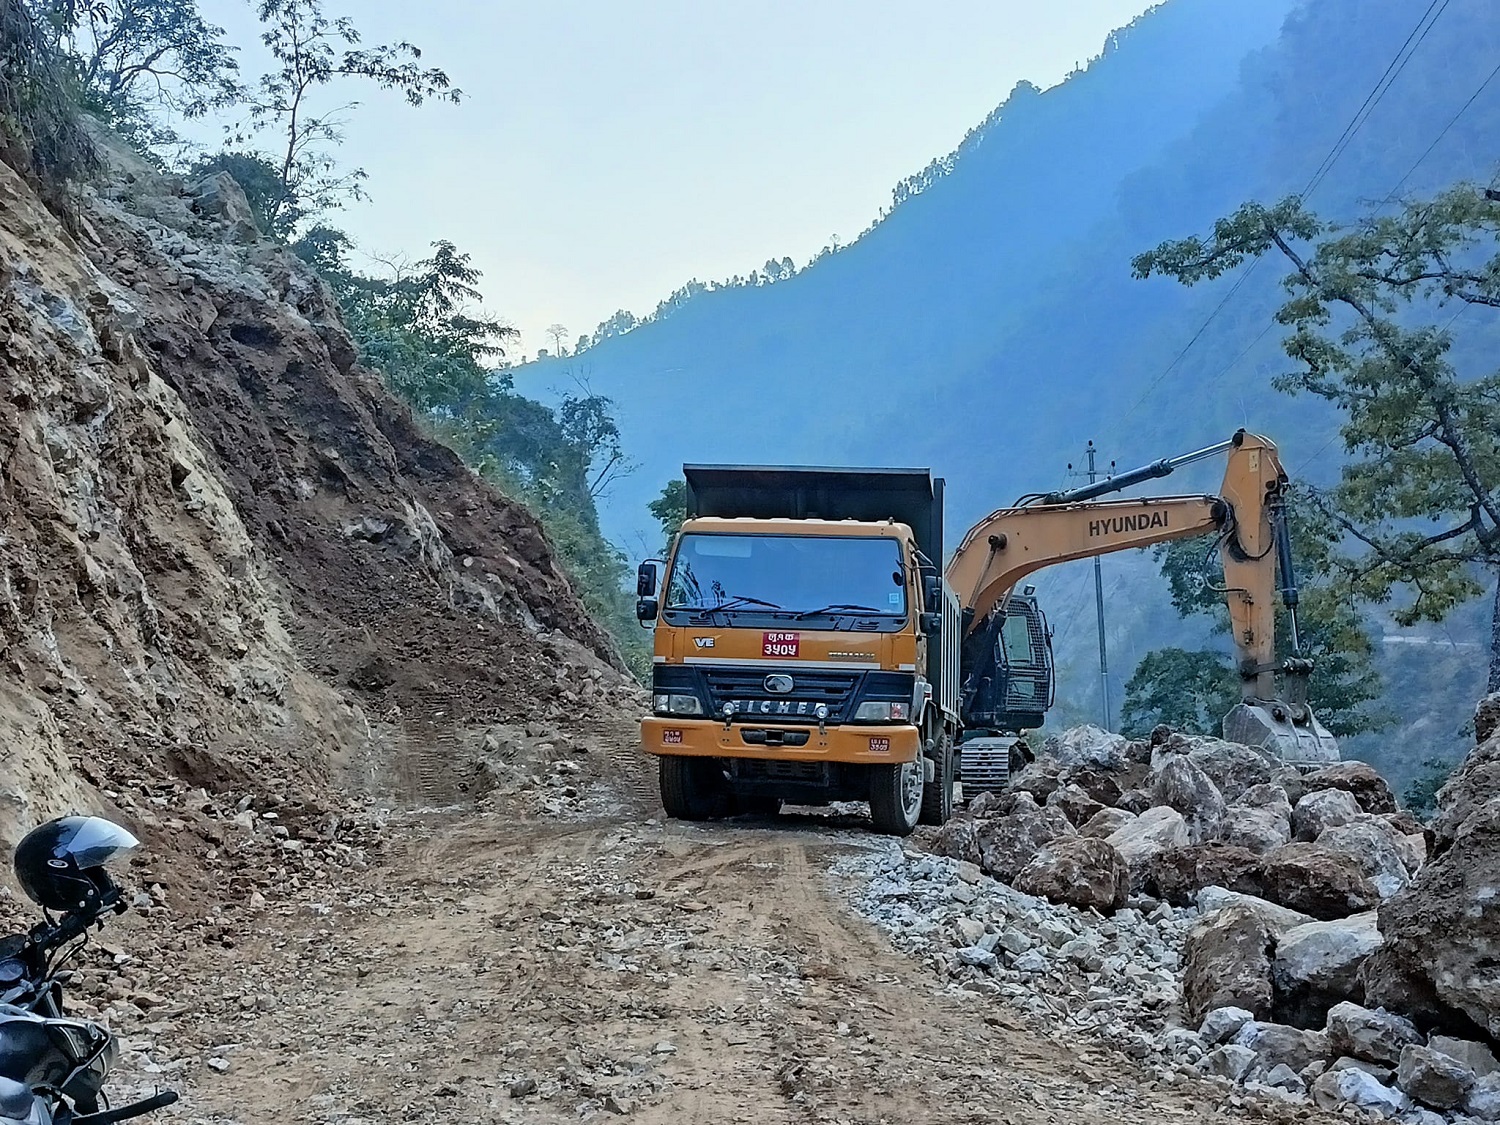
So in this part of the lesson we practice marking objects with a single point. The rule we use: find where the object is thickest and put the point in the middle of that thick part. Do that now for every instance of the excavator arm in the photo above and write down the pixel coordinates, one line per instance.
(1248, 516)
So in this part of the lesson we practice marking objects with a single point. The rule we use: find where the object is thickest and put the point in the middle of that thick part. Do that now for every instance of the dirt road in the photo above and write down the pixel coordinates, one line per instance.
(496, 971)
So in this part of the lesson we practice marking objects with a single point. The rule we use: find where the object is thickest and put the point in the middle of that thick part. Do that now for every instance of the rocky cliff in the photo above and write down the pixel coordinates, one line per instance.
(228, 557)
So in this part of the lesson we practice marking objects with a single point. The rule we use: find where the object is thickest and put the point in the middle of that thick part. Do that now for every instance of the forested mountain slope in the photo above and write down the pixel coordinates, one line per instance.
(989, 325)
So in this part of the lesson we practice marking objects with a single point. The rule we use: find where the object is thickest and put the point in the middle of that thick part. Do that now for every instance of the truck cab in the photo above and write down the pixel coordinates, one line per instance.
(805, 647)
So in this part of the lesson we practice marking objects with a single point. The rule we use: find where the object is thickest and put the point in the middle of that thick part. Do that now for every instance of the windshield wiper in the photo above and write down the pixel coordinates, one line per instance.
(729, 603)
(845, 606)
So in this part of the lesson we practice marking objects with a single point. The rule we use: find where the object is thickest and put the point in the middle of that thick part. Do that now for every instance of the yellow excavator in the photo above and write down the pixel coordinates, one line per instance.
(808, 649)
(1248, 516)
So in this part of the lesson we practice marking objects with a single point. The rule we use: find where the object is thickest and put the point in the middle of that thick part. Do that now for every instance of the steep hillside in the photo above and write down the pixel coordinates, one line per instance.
(229, 558)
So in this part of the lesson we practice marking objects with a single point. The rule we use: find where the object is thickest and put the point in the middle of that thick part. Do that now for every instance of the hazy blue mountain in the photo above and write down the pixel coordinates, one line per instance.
(988, 326)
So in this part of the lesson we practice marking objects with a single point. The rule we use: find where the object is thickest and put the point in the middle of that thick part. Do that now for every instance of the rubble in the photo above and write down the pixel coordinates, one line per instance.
(1263, 896)
(1227, 964)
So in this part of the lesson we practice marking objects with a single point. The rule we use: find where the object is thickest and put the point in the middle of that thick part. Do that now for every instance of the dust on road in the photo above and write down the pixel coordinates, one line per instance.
(498, 971)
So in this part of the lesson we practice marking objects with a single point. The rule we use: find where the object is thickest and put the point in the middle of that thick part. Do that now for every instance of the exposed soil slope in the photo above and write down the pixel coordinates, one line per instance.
(229, 558)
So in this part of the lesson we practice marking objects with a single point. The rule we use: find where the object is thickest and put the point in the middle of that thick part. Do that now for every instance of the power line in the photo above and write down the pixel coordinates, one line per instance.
(1436, 140)
(1382, 86)
(1372, 99)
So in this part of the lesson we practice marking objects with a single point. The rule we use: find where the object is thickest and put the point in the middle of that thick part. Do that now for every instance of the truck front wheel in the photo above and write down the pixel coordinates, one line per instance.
(693, 788)
(896, 796)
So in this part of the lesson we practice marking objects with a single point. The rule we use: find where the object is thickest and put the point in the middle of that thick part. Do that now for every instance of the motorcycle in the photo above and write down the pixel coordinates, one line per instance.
(52, 1067)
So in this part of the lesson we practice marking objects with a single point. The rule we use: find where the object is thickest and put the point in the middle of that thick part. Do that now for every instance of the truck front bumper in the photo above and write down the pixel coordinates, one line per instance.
(859, 745)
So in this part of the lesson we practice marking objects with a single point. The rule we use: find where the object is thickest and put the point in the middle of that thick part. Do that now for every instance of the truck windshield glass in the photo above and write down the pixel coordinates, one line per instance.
(795, 573)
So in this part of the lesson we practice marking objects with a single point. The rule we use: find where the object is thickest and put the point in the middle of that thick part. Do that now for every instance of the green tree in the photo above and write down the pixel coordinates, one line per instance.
(1420, 795)
(1415, 517)
(1189, 691)
(310, 51)
(136, 56)
(1344, 690)
(670, 509)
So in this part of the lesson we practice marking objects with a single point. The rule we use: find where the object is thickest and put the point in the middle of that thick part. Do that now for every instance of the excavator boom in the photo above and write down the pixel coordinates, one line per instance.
(1248, 516)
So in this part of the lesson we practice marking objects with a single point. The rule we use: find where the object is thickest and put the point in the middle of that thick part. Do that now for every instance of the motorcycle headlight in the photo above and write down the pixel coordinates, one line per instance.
(670, 703)
(879, 711)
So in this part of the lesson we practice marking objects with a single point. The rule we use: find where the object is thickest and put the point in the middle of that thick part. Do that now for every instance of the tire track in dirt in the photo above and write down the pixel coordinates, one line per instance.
(668, 973)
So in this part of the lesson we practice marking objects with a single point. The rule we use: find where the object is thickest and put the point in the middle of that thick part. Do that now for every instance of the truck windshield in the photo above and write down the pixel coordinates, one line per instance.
(796, 573)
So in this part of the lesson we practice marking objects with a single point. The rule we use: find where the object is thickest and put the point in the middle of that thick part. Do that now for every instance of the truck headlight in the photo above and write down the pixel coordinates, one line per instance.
(673, 704)
(876, 711)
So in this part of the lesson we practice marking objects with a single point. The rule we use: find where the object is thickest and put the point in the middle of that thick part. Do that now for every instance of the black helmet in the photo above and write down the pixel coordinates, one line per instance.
(61, 864)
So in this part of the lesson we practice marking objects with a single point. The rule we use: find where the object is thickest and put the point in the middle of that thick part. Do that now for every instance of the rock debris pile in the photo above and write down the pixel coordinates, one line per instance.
(1214, 912)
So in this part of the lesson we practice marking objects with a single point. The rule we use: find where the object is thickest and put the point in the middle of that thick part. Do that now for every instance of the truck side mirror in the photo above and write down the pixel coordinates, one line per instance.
(645, 579)
(931, 623)
(932, 593)
(645, 610)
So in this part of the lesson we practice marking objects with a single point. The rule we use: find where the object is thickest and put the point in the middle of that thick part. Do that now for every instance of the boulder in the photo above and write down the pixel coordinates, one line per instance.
(1373, 1035)
(1483, 1098)
(1321, 810)
(1232, 768)
(1318, 965)
(959, 838)
(1412, 847)
(1223, 1024)
(1257, 830)
(1082, 871)
(1087, 745)
(1074, 804)
(1182, 785)
(1099, 785)
(1040, 779)
(1375, 847)
(1277, 918)
(1106, 822)
(1476, 1056)
(1276, 1043)
(1154, 831)
(220, 197)
(1475, 784)
(1007, 843)
(1178, 874)
(1358, 1088)
(1487, 717)
(1227, 963)
(1283, 1077)
(1268, 795)
(1433, 1078)
(1230, 1061)
(1442, 932)
(1134, 801)
(1363, 782)
(1312, 880)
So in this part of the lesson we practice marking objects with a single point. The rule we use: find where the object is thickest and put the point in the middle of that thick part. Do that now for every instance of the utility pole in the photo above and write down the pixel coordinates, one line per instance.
(1099, 608)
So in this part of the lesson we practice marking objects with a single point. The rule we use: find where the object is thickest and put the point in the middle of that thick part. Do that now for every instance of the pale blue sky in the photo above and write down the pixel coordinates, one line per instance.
(609, 150)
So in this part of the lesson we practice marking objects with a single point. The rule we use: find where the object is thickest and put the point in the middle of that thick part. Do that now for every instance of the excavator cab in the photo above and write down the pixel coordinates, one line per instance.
(1011, 684)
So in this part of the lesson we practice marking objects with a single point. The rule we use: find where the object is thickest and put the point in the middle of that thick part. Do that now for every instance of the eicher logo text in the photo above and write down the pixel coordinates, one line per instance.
(1115, 525)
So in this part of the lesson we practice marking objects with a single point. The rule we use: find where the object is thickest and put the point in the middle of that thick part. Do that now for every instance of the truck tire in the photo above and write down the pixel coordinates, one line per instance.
(937, 798)
(896, 796)
(692, 788)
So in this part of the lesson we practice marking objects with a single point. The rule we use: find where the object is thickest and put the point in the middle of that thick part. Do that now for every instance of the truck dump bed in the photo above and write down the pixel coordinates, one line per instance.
(910, 496)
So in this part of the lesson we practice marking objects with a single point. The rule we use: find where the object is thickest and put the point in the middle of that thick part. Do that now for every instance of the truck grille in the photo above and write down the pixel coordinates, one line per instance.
(746, 689)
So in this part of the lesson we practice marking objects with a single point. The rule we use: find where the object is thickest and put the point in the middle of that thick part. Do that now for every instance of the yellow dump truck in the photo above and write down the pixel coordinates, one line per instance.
(809, 648)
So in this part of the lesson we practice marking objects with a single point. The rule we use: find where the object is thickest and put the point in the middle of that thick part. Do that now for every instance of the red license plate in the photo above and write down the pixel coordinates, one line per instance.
(671, 738)
(880, 745)
(780, 644)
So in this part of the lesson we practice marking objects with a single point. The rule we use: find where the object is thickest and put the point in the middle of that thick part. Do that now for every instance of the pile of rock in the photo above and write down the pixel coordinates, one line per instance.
(1371, 1059)
(1219, 913)
(1096, 817)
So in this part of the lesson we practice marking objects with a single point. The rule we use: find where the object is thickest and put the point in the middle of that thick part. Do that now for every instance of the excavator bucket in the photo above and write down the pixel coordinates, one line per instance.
(1289, 731)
